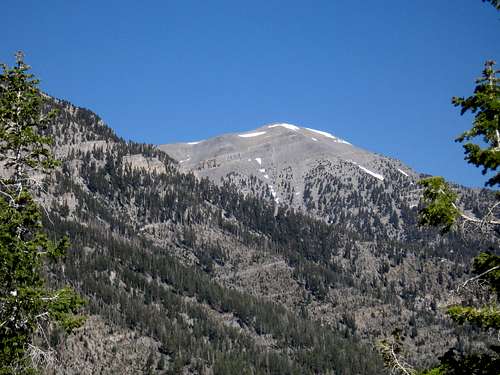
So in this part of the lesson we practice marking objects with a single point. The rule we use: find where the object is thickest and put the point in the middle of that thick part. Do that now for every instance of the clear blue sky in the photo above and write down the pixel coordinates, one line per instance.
(377, 73)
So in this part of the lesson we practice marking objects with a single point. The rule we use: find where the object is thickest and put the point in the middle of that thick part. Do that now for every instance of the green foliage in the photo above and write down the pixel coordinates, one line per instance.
(439, 200)
(485, 104)
(484, 317)
(26, 305)
(441, 370)
(440, 210)
(23, 147)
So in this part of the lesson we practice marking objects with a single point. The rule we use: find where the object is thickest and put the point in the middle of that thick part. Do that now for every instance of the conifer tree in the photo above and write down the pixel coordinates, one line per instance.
(440, 209)
(27, 306)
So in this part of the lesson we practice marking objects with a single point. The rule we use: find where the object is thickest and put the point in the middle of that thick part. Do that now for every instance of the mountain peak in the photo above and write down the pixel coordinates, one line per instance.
(284, 158)
(284, 125)
(307, 132)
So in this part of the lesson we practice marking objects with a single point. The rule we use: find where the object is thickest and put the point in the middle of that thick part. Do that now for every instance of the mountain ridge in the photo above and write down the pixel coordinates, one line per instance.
(267, 135)
(160, 251)
(290, 165)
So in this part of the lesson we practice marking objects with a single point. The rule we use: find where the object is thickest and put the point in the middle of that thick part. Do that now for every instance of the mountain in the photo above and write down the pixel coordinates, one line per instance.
(315, 172)
(279, 155)
(224, 275)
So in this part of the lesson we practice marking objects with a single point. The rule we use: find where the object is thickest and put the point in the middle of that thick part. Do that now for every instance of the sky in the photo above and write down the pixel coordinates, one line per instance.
(379, 74)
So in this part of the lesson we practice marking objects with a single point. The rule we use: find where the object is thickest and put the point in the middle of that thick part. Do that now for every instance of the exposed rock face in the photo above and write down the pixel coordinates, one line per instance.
(140, 162)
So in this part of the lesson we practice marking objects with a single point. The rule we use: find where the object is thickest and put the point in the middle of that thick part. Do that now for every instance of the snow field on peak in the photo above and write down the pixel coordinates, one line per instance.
(250, 135)
(259, 160)
(285, 125)
(194, 143)
(322, 133)
(328, 135)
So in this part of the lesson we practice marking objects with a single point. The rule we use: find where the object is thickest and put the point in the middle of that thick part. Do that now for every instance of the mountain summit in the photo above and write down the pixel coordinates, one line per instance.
(284, 160)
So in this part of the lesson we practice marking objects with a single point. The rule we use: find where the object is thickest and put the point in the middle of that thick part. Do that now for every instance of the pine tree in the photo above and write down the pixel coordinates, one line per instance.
(441, 210)
(27, 306)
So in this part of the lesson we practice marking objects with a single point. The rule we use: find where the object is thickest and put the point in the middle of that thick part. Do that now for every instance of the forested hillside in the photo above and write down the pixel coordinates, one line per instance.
(214, 281)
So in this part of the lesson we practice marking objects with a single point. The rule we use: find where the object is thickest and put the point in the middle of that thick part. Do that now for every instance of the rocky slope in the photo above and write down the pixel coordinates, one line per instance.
(218, 280)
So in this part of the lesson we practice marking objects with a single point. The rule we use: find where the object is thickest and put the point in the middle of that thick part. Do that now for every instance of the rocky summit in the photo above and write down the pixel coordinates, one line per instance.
(307, 169)
(281, 156)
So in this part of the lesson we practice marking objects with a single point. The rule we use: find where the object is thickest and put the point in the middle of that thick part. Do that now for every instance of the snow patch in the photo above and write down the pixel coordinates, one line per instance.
(339, 140)
(328, 135)
(185, 160)
(376, 175)
(250, 135)
(322, 133)
(266, 176)
(273, 193)
(262, 170)
(259, 160)
(285, 125)
(314, 139)
(194, 143)
(403, 172)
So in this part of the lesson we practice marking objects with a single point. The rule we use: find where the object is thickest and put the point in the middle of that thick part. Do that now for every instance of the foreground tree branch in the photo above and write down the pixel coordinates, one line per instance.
(392, 353)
